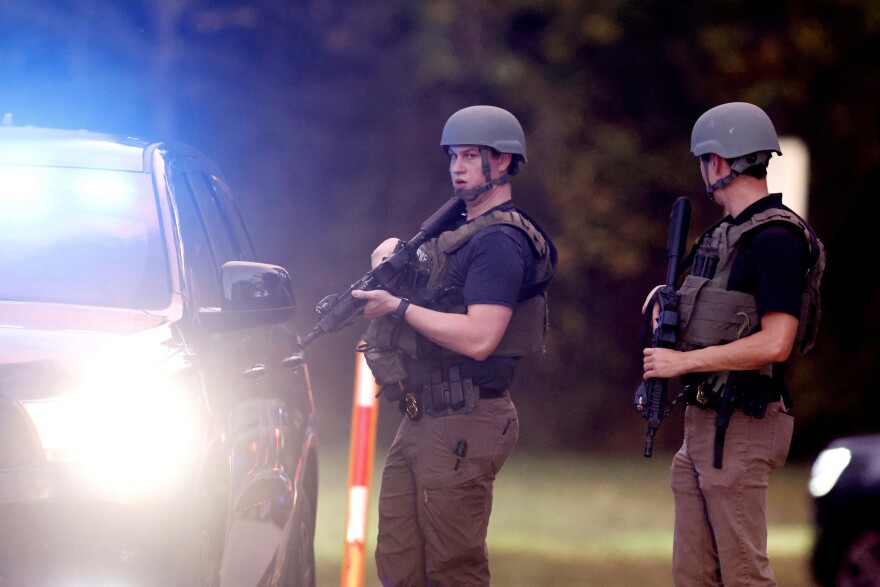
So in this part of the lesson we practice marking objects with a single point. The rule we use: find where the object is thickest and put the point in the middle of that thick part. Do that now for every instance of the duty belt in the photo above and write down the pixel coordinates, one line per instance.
(724, 393)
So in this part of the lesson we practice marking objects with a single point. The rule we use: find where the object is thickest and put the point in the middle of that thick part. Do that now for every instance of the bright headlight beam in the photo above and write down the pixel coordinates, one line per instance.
(19, 195)
(829, 465)
(56, 421)
(130, 438)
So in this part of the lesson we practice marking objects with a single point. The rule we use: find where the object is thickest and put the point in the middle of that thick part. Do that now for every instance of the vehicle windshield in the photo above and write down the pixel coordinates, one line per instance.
(81, 236)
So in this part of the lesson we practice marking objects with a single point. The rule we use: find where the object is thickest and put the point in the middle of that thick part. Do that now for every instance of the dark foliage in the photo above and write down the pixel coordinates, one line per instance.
(327, 114)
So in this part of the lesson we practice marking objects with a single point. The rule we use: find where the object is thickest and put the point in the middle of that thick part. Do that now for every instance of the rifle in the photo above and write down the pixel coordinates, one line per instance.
(651, 398)
(336, 311)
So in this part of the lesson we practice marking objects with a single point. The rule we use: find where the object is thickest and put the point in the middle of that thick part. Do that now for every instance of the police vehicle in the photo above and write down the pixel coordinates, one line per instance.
(156, 417)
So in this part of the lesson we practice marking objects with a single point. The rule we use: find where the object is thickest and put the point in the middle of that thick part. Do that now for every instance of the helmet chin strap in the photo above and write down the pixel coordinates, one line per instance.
(710, 189)
(490, 183)
(739, 165)
(480, 189)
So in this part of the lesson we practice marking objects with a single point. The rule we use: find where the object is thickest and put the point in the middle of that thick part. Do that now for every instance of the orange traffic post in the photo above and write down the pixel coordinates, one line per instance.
(360, 469)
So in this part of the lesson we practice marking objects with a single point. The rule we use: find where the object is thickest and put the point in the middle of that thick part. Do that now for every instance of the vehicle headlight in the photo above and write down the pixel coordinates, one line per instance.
(130, 439)
(827, 469)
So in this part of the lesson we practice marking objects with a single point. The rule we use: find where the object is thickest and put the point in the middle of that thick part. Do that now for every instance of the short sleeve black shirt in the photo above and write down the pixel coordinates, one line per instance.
(492, 267)
(772, 262)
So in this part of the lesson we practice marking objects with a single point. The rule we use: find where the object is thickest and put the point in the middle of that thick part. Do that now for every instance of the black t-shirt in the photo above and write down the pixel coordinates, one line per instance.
(772, 262)
(492, 267)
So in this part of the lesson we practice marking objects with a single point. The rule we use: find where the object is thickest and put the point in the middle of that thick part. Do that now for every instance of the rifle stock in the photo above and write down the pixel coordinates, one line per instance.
(651, 396)
(337, 311)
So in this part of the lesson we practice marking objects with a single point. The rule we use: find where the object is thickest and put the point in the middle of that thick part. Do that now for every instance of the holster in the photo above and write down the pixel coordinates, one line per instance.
(724, 393)
(708, 393)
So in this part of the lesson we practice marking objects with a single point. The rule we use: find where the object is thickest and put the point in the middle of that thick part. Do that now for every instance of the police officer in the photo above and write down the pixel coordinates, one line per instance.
(751, 298)
(448, 357)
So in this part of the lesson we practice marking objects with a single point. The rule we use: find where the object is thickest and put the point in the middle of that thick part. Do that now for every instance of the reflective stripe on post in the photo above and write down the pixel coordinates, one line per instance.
(360, 468)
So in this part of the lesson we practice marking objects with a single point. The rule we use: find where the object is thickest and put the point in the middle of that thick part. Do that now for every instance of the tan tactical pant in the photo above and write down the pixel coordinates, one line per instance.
(434, 507)
(721, 514)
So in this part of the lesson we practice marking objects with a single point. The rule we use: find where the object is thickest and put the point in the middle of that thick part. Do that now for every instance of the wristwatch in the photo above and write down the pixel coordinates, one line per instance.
(397, 315)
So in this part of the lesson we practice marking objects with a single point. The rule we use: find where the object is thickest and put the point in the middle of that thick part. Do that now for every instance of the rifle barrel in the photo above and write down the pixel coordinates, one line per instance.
(679, 221)
(651, 400)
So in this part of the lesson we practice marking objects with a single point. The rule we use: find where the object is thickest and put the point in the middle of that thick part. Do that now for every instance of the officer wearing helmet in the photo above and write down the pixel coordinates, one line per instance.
(448, 359)
(750, 298)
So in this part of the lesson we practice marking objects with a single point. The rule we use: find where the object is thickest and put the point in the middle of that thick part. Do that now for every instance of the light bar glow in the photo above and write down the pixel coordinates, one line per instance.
(104, 192)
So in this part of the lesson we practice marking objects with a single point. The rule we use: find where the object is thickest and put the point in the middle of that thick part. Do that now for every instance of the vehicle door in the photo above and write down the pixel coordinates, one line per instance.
(262, 405)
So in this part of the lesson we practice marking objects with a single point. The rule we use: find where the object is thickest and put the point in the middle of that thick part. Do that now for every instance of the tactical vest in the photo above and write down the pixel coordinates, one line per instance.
(527, 330)
(525, 334)
(712, 315)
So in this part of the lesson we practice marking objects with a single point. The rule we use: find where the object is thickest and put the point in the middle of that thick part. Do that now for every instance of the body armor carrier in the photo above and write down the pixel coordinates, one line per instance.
(712, 315)
(387, 340)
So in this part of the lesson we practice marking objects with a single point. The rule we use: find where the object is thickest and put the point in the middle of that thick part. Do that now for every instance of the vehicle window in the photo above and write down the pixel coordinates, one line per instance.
(232, 214)
(202, 268)
(219, 228)
(81, 236)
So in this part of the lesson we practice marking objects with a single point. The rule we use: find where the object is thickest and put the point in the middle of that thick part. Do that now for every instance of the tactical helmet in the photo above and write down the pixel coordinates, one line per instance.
(488, 126)
(733, 130)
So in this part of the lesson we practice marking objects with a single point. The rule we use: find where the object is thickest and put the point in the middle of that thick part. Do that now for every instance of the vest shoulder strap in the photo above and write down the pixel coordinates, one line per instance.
(774, 215)
(452, 240)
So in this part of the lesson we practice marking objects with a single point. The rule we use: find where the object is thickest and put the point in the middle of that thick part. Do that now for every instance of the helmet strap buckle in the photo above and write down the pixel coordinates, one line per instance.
(487, 170)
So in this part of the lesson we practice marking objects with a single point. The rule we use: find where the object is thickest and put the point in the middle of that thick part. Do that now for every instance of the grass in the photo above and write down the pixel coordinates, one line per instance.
(576, 520)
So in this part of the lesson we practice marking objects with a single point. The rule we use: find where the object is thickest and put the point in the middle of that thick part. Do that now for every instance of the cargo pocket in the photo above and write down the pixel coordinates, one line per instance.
(781, 429)
(506, 443)
(454, 522)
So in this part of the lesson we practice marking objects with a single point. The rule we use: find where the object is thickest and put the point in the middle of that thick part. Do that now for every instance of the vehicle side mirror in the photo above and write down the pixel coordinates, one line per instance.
(254, 294)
